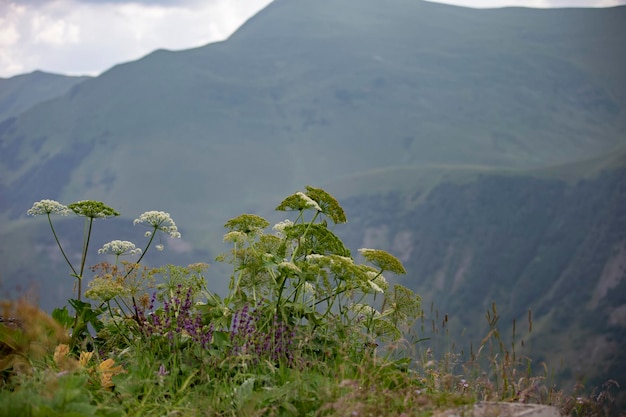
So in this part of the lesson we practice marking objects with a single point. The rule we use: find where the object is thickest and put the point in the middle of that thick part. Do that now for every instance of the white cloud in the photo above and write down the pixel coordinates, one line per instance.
(76, 37)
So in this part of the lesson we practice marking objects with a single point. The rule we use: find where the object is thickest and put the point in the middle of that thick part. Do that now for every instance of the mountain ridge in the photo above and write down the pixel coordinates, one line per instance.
(20, 92)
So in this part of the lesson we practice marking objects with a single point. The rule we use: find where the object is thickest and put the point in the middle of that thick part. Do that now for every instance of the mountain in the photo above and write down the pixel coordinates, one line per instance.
(478, 139)
(327, 90)
(21, 92)
(544, 241)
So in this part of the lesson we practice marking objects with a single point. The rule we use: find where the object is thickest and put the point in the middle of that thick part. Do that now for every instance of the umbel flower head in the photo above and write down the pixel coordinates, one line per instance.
(328, 204)
(48, 207)
(383, 260)
(119, 248)
(298, 201)
(92, 209)
(160, 221)
(316, 199)
(250, 224)
(105, 289)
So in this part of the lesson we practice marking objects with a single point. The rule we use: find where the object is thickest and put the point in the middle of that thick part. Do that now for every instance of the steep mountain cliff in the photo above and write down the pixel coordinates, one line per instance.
(543, 241)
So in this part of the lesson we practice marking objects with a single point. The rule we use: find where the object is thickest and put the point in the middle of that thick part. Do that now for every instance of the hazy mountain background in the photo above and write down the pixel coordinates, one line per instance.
(22, 92)
(485, 148)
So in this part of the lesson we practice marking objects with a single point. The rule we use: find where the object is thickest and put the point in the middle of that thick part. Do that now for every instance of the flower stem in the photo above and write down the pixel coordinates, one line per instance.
(59, 245)
(87, 237)
(142, 253)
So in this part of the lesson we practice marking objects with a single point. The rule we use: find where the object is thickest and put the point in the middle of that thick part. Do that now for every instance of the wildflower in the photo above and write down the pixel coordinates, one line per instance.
(61, 352)
(63, 359)
(289, 267)
(377, 280)
(375, 287)
(160, 247)
(281, 226)
(92, 209)
(364, 309)
(48, 207)
(247, 223)
(119, 248)
(235, 237)
(84, 358)
(383, 260)
(162, 371)
(107, 371)
(105, 289)
(308, 201)
(341, 259)
(160, 221)
(298, 201)
(330, 206)
(148, 234)
(308, 288)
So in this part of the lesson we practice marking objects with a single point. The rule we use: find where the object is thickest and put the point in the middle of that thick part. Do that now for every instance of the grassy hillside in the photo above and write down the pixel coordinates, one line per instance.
(330, 91)
(524, 241)
(21, 92)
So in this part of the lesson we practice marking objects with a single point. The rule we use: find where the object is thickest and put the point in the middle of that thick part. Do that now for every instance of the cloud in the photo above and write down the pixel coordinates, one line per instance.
(89, 36)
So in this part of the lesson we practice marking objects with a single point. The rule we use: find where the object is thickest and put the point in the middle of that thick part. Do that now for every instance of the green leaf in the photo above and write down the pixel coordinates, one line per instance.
(86, 315)
(62, 316)
(221, 339)
(244, 392)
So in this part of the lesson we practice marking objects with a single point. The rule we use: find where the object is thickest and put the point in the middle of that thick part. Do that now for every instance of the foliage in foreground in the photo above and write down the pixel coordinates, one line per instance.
(303, 330)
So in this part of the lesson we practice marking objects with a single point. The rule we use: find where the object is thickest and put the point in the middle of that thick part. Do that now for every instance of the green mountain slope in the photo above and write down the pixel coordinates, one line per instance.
(21, 92)
(441, 125)
(539, 240)
(371, 86)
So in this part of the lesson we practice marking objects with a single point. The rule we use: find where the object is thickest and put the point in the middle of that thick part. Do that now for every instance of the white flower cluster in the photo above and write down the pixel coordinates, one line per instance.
(377, 281)
(315, 257)
(48, 207)
(289, 266)
(281, 226)
(159, 220)
(120, 247)
(308, 201)
(364, 309)
(235, 237)
(308, 288)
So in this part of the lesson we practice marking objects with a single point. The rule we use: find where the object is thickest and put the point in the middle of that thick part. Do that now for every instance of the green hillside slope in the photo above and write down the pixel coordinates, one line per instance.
(548, 243)
(315, 97)
(21, 92)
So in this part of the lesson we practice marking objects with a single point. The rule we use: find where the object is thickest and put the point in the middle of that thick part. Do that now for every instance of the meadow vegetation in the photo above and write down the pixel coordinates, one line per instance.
(306, 328)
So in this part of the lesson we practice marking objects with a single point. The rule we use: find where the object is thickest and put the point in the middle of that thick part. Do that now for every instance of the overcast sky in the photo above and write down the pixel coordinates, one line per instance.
(87, 37)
